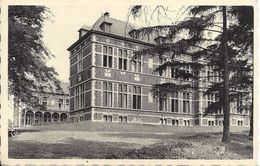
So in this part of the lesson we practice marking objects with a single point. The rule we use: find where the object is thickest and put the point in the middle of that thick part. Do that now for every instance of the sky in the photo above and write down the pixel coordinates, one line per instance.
(60, 31)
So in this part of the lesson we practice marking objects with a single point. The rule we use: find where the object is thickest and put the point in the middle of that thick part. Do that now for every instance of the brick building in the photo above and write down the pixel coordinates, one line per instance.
(52, 107)
(107, 85)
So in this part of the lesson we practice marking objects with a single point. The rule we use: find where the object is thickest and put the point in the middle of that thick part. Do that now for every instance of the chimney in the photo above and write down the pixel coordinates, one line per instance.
(106, 14)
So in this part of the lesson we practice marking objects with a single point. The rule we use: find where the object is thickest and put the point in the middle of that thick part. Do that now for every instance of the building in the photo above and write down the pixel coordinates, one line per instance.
(107, 85)
(52, 107)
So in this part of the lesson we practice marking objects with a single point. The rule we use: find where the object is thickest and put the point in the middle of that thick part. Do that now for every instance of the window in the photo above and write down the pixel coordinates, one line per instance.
(107, 118)
(80, 61)
(211, 123)
(175, 122)
(187, 70)
(107, 56)
(106, 27)
(173, 73)
(175, 102)
(210, 98)
(161, 62)
(82, 96)
(107, 94)
(122, 60)
(122, 95)
(60, 103)
(44, 104)
(80, 65)
(162, 104)
(186, 102)
(67, 102)
(136, 97)
(137, 64)
(79, 92)
(122, 119)
(77, 98)
(210, 73)
(163, 121)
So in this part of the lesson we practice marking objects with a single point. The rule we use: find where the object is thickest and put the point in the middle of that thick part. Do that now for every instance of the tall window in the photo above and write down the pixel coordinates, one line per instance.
(122, 96)
(136, 97)
(67, 102)
(210, 98)
(79, 97)
(122, 60)
(162, 104)
(82, 96)
(80, 61)
(76, 98)
(107, 94)
(107, 56)
(186, 102)
(175, 102)
(173, 73)
(210, 73)
(137, 64)
(161, 62)
(187, 70)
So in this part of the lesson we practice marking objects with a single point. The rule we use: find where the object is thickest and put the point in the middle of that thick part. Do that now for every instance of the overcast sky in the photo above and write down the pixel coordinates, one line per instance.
(61, 31)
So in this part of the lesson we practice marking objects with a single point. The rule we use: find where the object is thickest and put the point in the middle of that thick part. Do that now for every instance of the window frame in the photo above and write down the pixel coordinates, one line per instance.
(107, 94)
(137, 97)
(107, 56)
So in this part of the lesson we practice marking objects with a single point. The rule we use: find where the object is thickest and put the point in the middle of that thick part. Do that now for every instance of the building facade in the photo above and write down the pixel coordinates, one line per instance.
(50, 108)
(107, 85)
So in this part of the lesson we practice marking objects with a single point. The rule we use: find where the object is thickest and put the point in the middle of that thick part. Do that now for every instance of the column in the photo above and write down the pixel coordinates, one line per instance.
(33, 119)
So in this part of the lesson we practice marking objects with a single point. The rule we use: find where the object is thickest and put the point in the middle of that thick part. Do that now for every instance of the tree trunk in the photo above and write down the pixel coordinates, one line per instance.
(226, 108)
(251, 131)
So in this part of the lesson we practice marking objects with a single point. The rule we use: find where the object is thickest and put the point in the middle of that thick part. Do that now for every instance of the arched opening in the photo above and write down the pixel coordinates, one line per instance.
(47, 117)
(63, 117)
(38, 118)
(29, 116)
(55, 117)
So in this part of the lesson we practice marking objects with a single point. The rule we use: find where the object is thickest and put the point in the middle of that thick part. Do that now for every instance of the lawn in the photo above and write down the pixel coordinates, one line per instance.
(58, 144)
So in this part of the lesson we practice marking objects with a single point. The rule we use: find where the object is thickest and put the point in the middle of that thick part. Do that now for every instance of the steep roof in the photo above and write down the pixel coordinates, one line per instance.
(64, 87)
(118, 27)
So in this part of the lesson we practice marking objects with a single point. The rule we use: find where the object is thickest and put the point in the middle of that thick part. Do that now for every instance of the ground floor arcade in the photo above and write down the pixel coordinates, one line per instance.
(37, 117)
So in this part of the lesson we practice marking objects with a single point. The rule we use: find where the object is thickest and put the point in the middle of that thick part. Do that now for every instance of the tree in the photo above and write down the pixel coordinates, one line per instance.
(27, 69)
(223, 47)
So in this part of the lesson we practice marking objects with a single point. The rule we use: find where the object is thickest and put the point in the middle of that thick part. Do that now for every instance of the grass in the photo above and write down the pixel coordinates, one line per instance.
(131, 127)
(75, 148)
(198, 146)
(125, 145)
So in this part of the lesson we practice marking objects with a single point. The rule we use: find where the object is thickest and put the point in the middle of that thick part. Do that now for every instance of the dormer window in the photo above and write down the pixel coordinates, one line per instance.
(106, 27)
